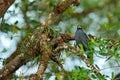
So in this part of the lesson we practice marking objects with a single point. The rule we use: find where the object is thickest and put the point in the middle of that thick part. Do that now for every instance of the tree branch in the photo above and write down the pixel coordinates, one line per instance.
(4, 5)
(31, 46)
(82, 57)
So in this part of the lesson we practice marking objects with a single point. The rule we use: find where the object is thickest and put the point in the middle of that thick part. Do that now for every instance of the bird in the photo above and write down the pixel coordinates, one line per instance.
(81, 38)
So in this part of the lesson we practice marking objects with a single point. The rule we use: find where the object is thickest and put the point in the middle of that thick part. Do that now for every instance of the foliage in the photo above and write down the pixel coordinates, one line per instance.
(100, 17)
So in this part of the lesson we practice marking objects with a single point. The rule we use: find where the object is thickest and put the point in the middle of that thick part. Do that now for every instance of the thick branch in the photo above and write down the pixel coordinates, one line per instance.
(31, 45)
(46, 52)
(4, 5)
(57, 11)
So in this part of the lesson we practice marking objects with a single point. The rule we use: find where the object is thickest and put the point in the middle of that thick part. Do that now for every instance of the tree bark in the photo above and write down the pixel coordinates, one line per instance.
(30, 47)
(4, 5)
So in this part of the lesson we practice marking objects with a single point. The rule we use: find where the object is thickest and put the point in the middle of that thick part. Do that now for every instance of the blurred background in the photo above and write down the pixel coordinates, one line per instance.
(100, 18)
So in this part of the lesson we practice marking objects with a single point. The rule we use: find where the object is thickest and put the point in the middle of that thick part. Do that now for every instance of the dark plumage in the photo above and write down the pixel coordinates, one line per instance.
(81, 38)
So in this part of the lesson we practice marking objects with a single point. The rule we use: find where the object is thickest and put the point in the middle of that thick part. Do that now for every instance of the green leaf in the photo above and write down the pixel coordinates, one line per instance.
(80, 73)
(108, 58)
(97, 66)
(112, 75)
(81, 48)
(103, 53)
(34, 23)
(106, 25)
(58, 76)
(26, 31)
(4, 50)
(93, 76)
(16, 22)
(15, 29)
(62, 60)
(67, 53)
(93, 41)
